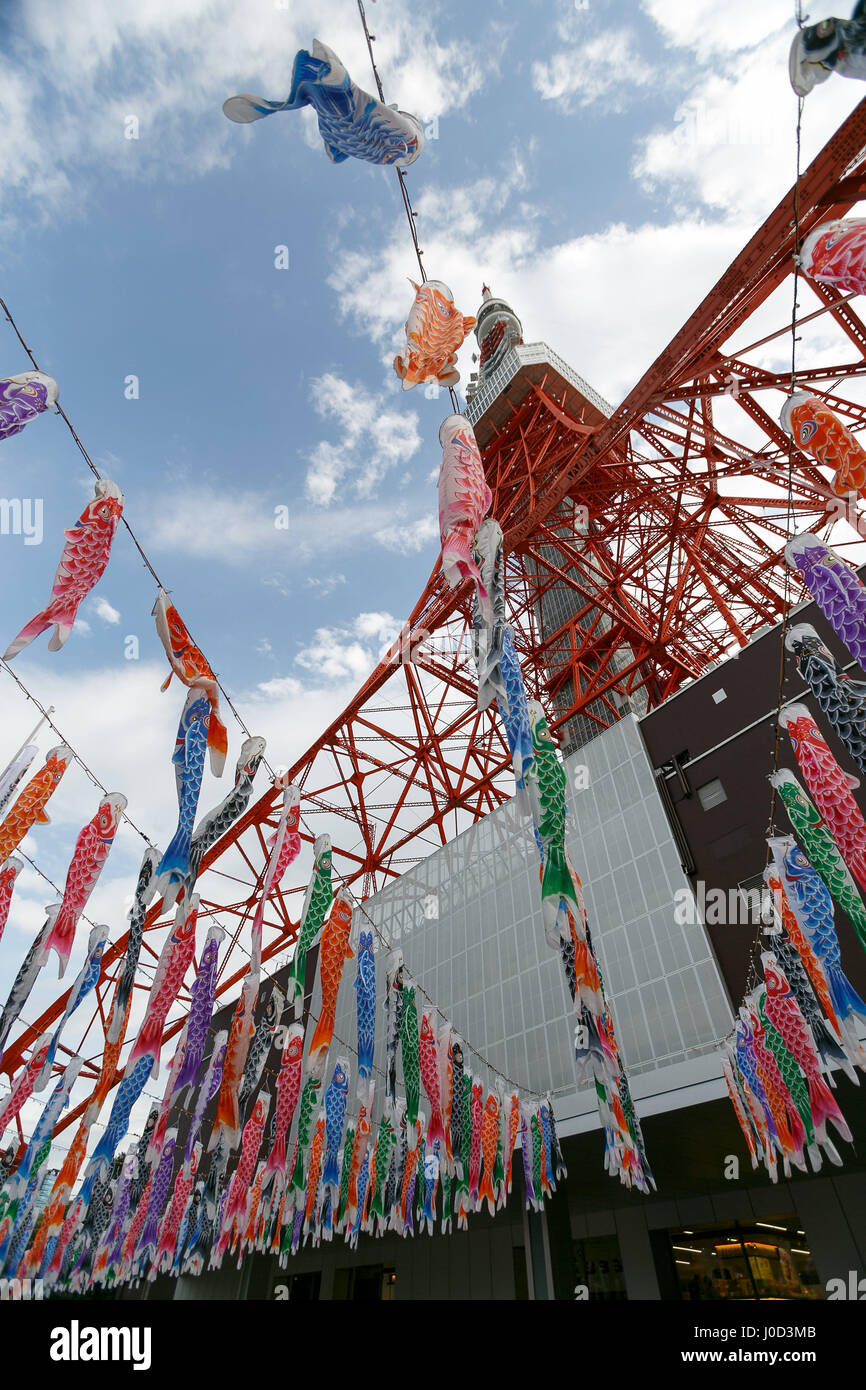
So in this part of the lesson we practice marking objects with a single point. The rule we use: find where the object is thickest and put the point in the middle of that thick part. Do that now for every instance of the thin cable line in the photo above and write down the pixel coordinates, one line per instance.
(411, 215)
(147, 563)
(752, 977)
(76, 756)
(59, 891)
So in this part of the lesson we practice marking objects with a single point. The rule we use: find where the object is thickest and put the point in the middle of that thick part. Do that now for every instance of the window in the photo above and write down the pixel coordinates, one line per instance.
(712, 794)
(752, 1260)
(598, 1266)
(365, 1283)
(301, 1288)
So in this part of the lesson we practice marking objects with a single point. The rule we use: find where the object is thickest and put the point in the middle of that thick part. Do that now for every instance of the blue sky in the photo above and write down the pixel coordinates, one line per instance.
(260, 387)
(599, 165)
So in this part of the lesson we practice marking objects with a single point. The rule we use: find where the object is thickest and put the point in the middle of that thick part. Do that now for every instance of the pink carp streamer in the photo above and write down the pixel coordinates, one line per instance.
(830, 788)
(84, 558)
(172, 966)
(9, 871)
(464, 501)
(776, 1062)
(285, 846)
(88, 860)
(835, 254)
(24, 1082)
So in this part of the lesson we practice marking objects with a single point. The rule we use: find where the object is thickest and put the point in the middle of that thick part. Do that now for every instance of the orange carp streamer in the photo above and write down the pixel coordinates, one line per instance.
(435, 331)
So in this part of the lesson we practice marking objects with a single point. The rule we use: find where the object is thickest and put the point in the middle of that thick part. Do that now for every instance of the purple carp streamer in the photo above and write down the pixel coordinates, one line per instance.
(201, 1002)
(22, 398)
(835, 587)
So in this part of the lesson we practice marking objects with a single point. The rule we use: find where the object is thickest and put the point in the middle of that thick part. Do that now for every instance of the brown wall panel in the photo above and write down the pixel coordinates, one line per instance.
(727, 842)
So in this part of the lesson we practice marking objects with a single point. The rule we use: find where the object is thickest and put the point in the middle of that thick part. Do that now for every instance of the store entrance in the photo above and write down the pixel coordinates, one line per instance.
(751, 1260)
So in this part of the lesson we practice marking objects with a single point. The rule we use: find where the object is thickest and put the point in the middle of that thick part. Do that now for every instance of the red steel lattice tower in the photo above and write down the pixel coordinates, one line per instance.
(643, 543)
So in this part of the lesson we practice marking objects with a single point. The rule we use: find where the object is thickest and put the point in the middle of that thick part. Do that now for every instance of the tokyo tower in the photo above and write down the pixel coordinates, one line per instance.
(643, 542)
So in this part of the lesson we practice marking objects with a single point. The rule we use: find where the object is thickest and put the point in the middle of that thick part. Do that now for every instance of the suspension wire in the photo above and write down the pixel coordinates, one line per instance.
(753, 976)
(411, 215)
(135, 541)
(790, 521)
(46, 715)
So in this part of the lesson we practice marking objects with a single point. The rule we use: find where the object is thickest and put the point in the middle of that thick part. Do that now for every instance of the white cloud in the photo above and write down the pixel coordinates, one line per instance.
(328, 464)
(609, 302)
(463, 227)
(381, 626)
(606, 302)
(711, 29)
(236, 527)
(349, 653)
(606, 70)
(374, 440)
(326, 586)
(105, 610)
(732, 146)
(280, 688)
(32, 895)
(408, 537)
(467, 208)
(275, 582)
(170, 64)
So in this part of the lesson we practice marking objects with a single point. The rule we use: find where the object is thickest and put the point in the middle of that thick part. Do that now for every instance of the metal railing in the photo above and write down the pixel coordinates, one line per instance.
(525, 355)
